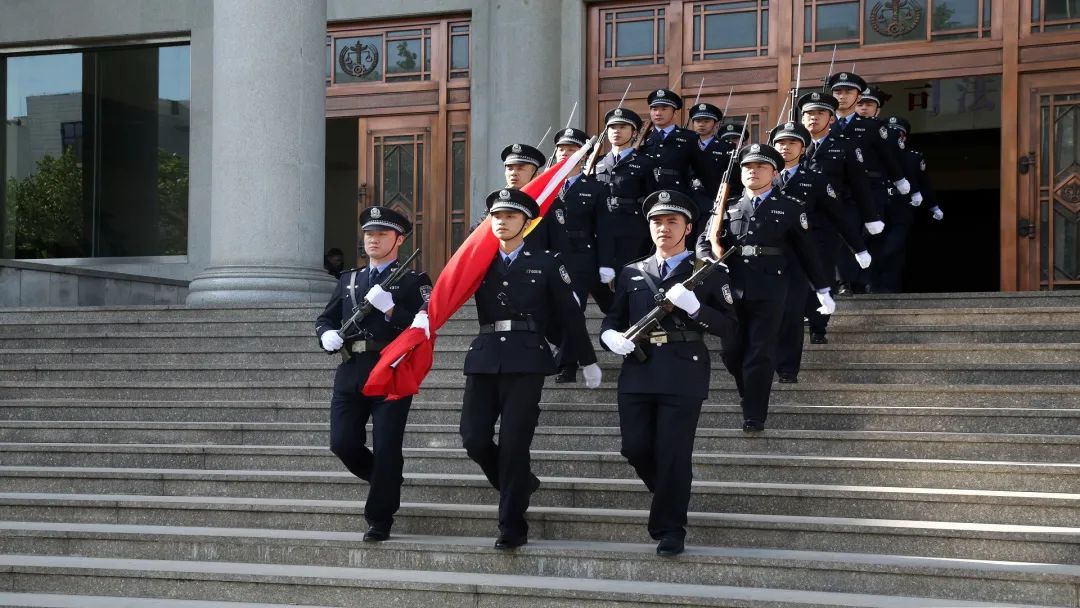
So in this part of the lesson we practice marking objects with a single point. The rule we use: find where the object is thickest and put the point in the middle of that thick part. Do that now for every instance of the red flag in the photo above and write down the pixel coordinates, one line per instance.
(405, 362)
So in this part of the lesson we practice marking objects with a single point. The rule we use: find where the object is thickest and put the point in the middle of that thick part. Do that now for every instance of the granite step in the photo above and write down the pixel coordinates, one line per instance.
(1047, 421)
(383, 587)
(305, 352)
(875, 502)
(869, 444)
(751, 468)
(749, 568)
(53, 600)
(448, 370)
(803, 393)
(962, 540)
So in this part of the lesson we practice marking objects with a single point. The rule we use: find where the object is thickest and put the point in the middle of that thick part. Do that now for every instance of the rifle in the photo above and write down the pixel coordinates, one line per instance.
(365, 307)
(590, 164)
(651, 321)
(795, 91)
(696, 100)
(720, 203)
(825, 85)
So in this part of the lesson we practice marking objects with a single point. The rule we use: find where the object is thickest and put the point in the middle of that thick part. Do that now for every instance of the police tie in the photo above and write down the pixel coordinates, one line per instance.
(784, 176)
(564, 189)
(663, 269)
(812, 150)
(755, 202)
(506, 263)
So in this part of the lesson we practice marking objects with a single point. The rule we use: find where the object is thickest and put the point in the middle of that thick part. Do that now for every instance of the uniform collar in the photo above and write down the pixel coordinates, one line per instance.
(704, 143)
(672, 262)
(513, 254)
(381, 267)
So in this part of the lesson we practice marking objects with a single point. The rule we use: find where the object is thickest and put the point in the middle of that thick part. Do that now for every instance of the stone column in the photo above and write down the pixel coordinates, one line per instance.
(268, 154)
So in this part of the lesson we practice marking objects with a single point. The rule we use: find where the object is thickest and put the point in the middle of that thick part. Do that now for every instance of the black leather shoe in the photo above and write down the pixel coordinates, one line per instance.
(753, 426)
(670, 546)
(788, 378)
(376, 535)
(505, 542)
(843, 290)
(818, 339)
(567, 375)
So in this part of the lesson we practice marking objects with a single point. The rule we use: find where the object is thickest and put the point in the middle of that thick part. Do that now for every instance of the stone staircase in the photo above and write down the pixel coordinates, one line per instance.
(175, 457)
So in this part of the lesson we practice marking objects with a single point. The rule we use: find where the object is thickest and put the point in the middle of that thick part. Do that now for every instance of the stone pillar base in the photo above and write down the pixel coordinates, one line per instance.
(260, 285)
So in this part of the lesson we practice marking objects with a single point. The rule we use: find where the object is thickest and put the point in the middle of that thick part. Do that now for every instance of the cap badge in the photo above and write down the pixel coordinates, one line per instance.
(701, 107)
(375, 213)
(660, 93)
(504, 195)
(618, 111)
(516, 148)
(789, 126)
(755, 148)
(816, 96)
(664, 197)
(843, 76)
(892, 120)
(568, 133)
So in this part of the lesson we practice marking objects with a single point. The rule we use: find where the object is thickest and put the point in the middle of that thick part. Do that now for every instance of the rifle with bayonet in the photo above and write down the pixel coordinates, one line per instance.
(352, 324)
(651, 322)
(720, 202)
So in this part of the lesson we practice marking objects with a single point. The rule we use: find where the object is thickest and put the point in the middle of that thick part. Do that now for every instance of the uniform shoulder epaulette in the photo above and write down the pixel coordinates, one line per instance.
(641, 259)
(348, 270)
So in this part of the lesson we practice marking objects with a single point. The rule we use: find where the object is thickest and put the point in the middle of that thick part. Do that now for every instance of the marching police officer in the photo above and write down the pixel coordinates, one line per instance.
(521, 163)
(729, 135)
(828, 223)
(660, 398)
(394, 310)
(622, 233)
(523, 291)
(576, 209)
(672, 148)
(766, 227)
(705, 182)
(889, 276)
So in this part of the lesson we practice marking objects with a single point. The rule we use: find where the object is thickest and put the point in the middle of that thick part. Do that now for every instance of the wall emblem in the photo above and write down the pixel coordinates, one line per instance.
(358, 59)
(895, 18)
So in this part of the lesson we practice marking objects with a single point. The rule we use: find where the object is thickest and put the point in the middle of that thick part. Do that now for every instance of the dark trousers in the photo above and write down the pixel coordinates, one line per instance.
(847, 267)
(888, 266)
(830, 248)
(658, 441)
(382, 465)
(602, 294)
(792, 335)
(751, 358)
(580, 282)
(514, 401)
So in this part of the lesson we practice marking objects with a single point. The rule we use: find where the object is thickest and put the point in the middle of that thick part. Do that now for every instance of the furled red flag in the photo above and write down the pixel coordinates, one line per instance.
(405, 362)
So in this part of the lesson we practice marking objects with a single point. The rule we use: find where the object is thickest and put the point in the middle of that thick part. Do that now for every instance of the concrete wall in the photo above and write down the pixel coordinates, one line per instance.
(25, 284)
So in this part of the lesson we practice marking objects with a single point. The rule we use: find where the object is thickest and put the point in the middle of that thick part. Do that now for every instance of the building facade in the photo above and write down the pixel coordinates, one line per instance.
(232, 142)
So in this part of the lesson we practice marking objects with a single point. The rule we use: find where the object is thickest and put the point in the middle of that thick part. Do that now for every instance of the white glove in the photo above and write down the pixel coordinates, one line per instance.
(607, 275)
(827, 305)
(683, 298)
(937, 213)
(863, 258)
(916, 199)
(902, 185)
(331, 341)
(617, 342)
(380, 298)
(420, 321)
(592, 374)
(875, 227)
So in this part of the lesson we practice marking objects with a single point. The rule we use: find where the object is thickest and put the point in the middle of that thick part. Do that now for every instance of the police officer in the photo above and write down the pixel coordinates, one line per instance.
(705, 181)
(576, 209)
(672, 148)
(729, 135)
(660, 398)
(521, 293)
(766, 227)
(829, 222)
(394, 309)
(881, 160)
(521, 163)
(622, 233)
(889, 276)
(842, 163)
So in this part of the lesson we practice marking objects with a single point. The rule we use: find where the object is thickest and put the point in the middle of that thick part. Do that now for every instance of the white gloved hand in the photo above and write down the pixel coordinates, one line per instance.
(683, 298)
(607, 275)
(863, 258)
(420, 321)
(937, 213)
(902, 185)
(617, 342)
(380, 298)
(916, 199)
(875, 227)
(331, 341)
(827, 305)
(593, 375)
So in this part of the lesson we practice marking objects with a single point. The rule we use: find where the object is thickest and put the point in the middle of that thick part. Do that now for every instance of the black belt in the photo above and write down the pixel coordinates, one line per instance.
(509, 325)
(366, 346)
(660, 171)
(750, 251)
(875, 175)
(579, 234)
(621, 200)
(665, 337)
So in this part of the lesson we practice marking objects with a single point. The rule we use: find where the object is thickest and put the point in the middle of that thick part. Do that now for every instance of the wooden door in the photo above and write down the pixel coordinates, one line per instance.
(1048, 201)
(394, 170)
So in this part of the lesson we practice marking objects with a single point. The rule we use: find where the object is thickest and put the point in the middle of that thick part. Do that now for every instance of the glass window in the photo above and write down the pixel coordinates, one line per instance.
(633, 37)
(1055, 15)
(459, 50)
(849, 23)
(729, 29)
(96, 166)
(358, 59)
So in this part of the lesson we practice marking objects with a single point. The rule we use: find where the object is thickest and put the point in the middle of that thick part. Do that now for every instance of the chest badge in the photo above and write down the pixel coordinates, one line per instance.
(726, 289)
(565, 275)
(560, 216)
(803, 222)
(829, 190)
(858, 154)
